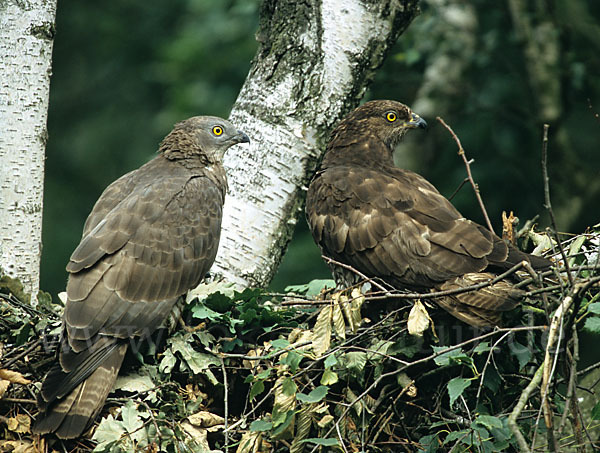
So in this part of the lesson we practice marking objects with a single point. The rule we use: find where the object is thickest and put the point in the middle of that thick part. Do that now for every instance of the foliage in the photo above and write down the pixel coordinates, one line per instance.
(326, 371)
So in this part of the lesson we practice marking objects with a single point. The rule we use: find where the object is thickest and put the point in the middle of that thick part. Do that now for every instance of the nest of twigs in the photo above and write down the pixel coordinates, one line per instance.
(314, 370)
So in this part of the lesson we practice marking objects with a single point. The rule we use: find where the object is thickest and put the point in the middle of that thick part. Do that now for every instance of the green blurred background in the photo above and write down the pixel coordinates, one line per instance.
(125, 71)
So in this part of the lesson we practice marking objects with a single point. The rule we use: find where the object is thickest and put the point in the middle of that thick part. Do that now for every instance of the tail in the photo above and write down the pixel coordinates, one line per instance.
(75, 389)
(482, 307)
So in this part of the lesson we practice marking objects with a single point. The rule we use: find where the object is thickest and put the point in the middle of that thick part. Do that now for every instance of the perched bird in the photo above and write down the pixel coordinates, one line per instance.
(391, 223)
(151, 237)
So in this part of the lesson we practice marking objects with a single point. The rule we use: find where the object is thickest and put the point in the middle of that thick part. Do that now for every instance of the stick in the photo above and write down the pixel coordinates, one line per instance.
(548, 204)
(461, 153)
(226, 403)
(512, 418)
(357, 272)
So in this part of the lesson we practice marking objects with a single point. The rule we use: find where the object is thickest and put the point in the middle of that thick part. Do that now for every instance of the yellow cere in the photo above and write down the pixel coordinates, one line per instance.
(217, 130)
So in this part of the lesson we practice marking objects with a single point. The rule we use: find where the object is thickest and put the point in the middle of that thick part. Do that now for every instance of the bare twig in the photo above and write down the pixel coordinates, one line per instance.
(267, 356)
(461, 153)
(512, 418)
(402, 295)
(487, 361)
(464, 181)
(35, 344)
(226, 403)
(355, 271)
(17, 400)
(548, 204)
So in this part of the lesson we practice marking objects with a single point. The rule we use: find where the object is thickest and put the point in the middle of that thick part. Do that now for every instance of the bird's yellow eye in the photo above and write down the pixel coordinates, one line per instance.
(391, 117)
(217, 130)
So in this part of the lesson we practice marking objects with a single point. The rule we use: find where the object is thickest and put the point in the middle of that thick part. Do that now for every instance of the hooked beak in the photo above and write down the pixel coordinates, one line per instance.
(240, 137)
(417, 121)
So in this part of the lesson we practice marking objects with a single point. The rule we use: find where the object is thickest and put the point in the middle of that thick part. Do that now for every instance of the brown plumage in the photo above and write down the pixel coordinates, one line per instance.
(391, 223)
(151, 237)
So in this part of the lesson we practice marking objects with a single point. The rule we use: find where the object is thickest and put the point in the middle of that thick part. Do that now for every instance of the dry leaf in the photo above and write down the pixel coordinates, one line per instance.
(357, 300)
(325, 421)
(205, 419)
(282, 404)
(322, 331)
(17, 446)
(19, 424)
(338, 322)
(198, 434)
(3, 387)
(407, 384)
(13, 376)
(252, 364)
(250, 443)
(418, 319)
(298, 337)
(508, 227)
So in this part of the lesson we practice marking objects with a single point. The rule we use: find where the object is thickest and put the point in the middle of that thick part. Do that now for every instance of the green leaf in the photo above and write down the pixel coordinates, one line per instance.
(355, 360)
(167, 362)
(457, 435)
(277, 418)
(492, 379)
(198, 362)
(522, 353)
(454, 356)
(489, 421)
(594, 308)
(263, 374)
(201, 311)
(312, 288)
(109, 431)
(134, 383)
(596, 412)
(408, 346)
(429, 443)
(257, 388)
(329, 377)
(260, 425)
(324, 441)
(482, 347)
(291, 359)
(592, 324)
(330, 361)
(280, 343)
(289, 387)
(456, 386)
(314, 396)
(284, 422)
(131, 419)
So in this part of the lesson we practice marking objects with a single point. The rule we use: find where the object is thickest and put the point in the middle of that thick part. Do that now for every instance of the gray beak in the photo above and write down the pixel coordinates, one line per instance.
(417, 121)
(240, 137)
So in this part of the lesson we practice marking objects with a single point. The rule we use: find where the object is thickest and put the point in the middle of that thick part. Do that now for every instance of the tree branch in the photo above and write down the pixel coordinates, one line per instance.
(461, 153)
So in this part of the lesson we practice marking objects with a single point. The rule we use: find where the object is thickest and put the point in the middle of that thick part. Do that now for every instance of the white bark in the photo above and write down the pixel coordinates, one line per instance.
(314, 63)
(26, 38)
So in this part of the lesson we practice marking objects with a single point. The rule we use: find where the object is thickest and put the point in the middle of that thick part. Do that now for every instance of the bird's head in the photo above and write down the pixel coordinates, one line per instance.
(386, 120)
(207, 137)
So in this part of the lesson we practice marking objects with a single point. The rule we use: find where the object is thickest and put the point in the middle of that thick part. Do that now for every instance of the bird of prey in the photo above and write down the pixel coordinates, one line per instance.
(392, 224)
(151, 237)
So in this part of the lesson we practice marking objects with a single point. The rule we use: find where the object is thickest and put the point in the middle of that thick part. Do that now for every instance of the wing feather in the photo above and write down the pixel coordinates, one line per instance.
(397, 220)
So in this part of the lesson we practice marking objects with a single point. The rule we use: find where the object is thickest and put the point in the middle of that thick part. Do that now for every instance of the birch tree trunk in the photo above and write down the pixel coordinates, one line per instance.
(26, 38)
(314, 63)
